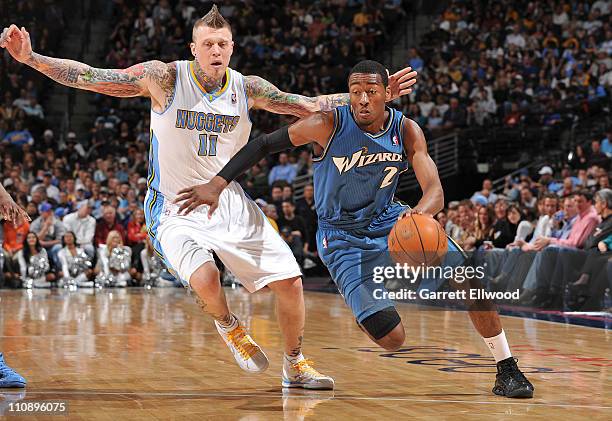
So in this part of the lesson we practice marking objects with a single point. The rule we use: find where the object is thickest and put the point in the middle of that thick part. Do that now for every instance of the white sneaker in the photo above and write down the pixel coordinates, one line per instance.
(302, 374)
(247, 353)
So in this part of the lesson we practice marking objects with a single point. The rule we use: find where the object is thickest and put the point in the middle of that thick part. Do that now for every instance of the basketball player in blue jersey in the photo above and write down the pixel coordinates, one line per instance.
(199, 120)
(9, 211)
(360, 151)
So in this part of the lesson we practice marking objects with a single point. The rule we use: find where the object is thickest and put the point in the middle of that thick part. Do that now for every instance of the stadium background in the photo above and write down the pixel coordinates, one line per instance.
(514, 92)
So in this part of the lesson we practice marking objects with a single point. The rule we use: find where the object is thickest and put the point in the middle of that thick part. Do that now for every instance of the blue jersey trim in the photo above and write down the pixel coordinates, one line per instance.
(332, 136)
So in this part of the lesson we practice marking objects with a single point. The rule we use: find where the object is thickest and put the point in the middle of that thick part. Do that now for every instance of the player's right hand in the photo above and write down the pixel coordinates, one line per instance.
(10, 211)
(17, 42)
(203, 194)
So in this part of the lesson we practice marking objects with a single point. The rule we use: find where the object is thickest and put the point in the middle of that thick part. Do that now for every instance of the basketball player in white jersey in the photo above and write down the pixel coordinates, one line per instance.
(199, 120)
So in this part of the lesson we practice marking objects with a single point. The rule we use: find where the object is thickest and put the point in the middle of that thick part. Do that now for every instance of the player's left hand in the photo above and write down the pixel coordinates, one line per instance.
(10, 211)
(203, 194)
(409, 212)
(401, 81)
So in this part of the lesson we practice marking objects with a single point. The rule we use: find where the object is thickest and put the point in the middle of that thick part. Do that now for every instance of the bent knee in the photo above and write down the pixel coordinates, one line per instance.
(205, 276)
(385, 328)
(287, 285)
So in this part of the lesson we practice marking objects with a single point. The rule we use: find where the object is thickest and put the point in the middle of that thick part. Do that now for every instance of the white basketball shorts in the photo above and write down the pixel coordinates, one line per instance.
(238, 232)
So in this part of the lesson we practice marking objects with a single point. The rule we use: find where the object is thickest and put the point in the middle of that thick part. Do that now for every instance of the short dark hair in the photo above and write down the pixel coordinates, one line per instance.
(213, 19)
(586, 194)
(371, 67)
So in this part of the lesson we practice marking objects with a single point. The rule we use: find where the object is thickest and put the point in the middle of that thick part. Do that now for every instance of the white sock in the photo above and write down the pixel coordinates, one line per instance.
(231, 326)
(498, 345)
(289, 360)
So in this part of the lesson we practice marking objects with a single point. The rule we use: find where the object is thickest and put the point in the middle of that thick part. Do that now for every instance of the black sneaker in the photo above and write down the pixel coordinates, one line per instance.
(510, 381)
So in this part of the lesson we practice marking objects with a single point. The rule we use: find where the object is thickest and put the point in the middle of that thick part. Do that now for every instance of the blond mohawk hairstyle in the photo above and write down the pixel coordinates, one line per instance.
(213, 19)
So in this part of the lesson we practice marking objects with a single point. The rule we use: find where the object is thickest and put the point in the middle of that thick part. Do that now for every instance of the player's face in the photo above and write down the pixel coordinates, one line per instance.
(212, 49)
(368, 97)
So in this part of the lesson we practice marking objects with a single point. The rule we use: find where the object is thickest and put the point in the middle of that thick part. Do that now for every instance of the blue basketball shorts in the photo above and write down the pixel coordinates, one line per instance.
(351, 257)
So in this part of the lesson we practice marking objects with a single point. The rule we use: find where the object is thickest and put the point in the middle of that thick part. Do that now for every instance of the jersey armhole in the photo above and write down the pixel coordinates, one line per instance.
(176, 79)
(337, 123)
(401, 136)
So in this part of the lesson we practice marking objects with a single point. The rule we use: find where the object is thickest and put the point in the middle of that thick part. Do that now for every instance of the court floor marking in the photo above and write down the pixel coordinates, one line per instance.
(321, 395)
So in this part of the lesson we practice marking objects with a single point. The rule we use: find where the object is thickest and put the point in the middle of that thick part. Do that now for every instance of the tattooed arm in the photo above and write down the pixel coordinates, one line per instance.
(266, 96)
(154, 79)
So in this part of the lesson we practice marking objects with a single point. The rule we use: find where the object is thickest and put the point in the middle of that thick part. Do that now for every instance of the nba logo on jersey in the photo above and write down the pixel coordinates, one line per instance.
(233, 98)
(395, 140)
(325, 242)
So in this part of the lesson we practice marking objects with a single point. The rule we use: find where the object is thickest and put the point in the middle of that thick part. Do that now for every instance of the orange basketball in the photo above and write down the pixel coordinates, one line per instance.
(417, 240)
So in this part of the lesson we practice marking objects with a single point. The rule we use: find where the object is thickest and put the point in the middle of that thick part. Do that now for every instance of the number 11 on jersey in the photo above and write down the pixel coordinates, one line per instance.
(208, 145)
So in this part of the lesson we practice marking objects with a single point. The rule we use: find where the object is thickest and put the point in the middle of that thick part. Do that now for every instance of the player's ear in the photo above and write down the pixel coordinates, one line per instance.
(193, 48)
(388, 94)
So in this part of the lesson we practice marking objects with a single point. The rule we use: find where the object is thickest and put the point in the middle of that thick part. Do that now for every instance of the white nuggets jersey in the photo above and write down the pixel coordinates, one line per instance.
(196, 136)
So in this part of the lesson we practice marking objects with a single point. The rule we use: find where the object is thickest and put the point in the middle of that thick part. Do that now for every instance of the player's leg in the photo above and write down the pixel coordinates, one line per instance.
(187, 253)
(9, 378)
(351, 261)
(510, 381)
(258, 257)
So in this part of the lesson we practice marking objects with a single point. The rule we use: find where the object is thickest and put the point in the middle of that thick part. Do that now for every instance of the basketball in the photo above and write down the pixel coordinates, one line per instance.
(417, 240)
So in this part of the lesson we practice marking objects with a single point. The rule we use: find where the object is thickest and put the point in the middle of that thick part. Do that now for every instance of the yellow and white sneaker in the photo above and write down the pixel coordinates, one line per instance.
(247, 353)
(302, 374)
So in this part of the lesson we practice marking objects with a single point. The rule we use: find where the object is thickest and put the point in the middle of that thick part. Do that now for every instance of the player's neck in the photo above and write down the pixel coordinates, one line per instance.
(209, 83)
(377, 126)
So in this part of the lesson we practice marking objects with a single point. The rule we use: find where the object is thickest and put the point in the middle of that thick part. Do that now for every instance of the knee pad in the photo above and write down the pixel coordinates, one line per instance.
(382, 322)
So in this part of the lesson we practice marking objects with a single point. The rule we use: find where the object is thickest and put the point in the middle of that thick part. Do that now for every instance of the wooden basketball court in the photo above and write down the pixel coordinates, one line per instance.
(151, 354)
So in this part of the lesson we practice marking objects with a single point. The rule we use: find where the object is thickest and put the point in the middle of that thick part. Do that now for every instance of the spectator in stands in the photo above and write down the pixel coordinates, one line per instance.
(51, 190)
(272, 215)
(13, 241)
(606, 144)
(563, 221)
(455, 116)
(283, 171)
(137, 234)
(597, 157)
(294, 242)
(289, 219)
(276, 195)
(504, 230)
(83, 225)
(549, 289)
(106, 224)
(49, 230)
(483, 229)
(578, 159)
(486, 192)
(527, 199)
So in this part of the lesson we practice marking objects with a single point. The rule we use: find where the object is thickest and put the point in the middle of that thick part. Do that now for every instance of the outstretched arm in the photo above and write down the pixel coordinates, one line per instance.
(9, 210)
(154, 79)
(425, 169)
(316, 128)
(264, 95)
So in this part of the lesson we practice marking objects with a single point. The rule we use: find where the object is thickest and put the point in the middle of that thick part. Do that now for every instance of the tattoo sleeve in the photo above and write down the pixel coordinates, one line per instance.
(268, 97)
(130, 82)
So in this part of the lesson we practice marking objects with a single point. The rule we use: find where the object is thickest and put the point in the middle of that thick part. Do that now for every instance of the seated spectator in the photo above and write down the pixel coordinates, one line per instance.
(272, 215)
(283, 171)
(563, 221)
(606, 144)
(543, 266)
(588, 290)
(289, 219)
(106, 224)
(295, 244)
(34, 266)
(83, 225)
(114, 262)
(455, 116)
(75, 264)
(14, 237)
(597, 157)
(483, 228)
(486, 192)
(49, 230)
(527, 200)
(504, 230)
(137, 234)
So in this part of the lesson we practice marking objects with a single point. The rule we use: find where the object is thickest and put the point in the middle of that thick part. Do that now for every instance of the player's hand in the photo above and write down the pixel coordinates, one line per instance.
(17, 42)
(10, 211)
(410, 211)
(203, 194)
(401, 81)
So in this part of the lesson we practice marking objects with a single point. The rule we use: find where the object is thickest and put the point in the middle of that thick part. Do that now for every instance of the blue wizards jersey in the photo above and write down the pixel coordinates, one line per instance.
(356, 175)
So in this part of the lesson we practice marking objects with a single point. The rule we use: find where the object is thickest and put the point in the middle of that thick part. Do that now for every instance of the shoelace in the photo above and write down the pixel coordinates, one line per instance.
(514, 370)
(306, 367)
(242, 342)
